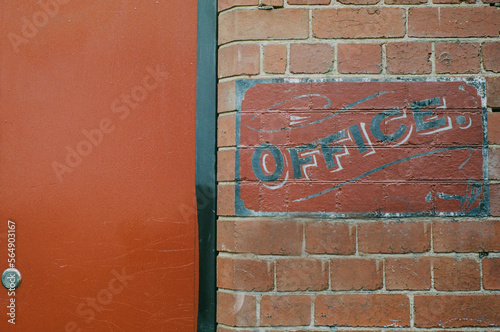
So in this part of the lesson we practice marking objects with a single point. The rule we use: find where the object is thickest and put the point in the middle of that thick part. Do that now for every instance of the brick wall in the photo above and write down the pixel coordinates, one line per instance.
(310, 273)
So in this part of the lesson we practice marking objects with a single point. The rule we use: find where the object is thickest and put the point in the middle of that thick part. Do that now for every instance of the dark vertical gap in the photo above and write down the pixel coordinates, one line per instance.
(495, 109)
(206, 111)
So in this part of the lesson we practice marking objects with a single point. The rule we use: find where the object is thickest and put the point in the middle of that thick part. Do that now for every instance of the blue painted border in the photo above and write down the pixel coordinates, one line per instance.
(242, 86)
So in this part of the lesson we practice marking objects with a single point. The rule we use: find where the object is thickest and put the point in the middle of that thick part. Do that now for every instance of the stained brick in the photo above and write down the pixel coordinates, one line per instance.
(447, 311)
(275, 58)
(309, 2)
(330, 238)
(493, 100)
(226, 97)
(491, 56)
(393, 237)
(457, 58)
(285, 310)
(358, 23)
(369, 310)
(494, 127)
(494, 163)
(311, 58)
(254, 24)
(236, 309)
(301, 274)
(466, 236)
(491, 273)
(356, 274)
(260, 236)
(359, 58)
(245, 274)
(408, 273)
(451, 274)
(225, 165)
(239, 59)
(225, 199)
(453, 22)
(226, 130)
(409, 58)
(226, 4)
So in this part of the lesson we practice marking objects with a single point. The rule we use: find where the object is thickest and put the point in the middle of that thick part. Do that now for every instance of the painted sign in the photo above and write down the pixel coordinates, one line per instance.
(381, 148)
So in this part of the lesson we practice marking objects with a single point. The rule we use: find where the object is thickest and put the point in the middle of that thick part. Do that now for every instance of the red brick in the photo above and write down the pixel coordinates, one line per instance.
(311, 58)
(225, 165)
(494, 127)
(359, 2)
(453, 1)
(226, 4)
(245, 274)
(453, 22)
(491, 56)
(491, 273)
(446, 311)
(285, 310)
(466, 236)
(491, 1)
(226, 130)
(330, 238)
(255, 24)
(359, 58)
(299, 274)
(236, 309)
(309, 2)
(408, 273)
(455, 275)
(239, 59)
(226, 97)
(368, 310)
(495, 203)
(457, 58)
(225, 199)
(494, 163)
(409, 58)
(493, 97)
(275, 58)
(221, 328)
(358, 22)
(273, 3)
(393, 237)
(356, 274)
(260, 236)
(405, 2)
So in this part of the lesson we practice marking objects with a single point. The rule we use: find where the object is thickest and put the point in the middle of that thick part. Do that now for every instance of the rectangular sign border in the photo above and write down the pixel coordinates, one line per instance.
(242, 85)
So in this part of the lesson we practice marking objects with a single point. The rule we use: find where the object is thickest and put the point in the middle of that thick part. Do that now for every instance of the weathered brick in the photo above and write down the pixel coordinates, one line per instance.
(359, 58)
(494, 163)
(404, 2)
(285, 310)
(226, 97)
(245, 274)
(491, 273)
(225, 199)
(408, 273)
(236, 309)
(254, 24)
(298, 274)
(356, 274)
(453, 22)
(369, 310)
(273, 3)
(451, 274)
(260, 236)
(330, 238)
(225, 165)
(491, 56)
(409, 58)
(226, 130)
(493, 100)
(447, 311)
(359, 2)
(393, 237)
(457, 58)
(275, 56)
(453, 1)
(495, 204)
(358, 23)
(466, 236)
(239, 59)
(226, 4)
(311, 58)
(494, 127)
(309, 2)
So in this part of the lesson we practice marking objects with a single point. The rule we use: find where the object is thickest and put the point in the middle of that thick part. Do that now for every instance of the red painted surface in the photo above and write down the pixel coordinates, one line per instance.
(97, 159)
(362, 147)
